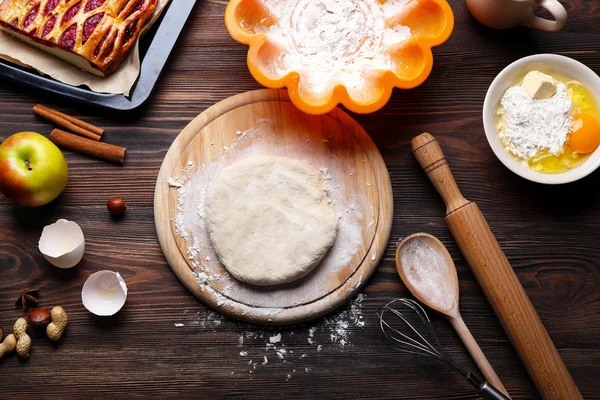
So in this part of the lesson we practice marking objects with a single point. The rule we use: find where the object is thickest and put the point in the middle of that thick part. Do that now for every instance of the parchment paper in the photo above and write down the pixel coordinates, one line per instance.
(120, 82)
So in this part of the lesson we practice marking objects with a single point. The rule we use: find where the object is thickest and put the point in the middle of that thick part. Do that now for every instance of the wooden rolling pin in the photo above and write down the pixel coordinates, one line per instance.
(497, 278)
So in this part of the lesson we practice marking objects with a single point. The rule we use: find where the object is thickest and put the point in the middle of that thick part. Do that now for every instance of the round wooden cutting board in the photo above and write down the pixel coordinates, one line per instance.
(265, 122)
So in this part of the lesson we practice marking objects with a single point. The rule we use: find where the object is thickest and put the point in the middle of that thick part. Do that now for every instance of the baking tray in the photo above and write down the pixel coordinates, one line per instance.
(155, 48)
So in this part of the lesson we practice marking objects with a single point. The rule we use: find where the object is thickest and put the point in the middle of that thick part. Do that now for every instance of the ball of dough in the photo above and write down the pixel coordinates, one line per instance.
(269, 219)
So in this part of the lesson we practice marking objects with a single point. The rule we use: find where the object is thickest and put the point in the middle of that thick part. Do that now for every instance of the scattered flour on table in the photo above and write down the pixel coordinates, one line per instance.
(281, 347)
(335, 41)
(275, 339)
(527, 126)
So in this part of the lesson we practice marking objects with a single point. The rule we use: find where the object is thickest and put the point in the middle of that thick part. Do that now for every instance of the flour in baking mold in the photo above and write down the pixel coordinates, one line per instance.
(331, 42)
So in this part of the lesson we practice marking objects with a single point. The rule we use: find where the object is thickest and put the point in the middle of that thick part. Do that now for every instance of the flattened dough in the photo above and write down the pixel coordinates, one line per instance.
(269, 219)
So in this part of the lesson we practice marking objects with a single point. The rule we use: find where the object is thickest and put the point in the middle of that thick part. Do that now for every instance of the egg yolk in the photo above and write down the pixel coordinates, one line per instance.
(585, 133)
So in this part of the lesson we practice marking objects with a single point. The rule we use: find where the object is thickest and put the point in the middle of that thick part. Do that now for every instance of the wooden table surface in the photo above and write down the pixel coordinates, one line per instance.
(551, 235)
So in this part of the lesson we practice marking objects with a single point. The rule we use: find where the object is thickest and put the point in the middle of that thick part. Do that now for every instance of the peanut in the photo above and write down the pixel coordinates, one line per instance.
(8, 345)
(58, 325)
(23, 339)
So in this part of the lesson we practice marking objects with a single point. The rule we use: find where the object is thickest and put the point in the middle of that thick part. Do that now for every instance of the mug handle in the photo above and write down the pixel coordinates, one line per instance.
(558, 12)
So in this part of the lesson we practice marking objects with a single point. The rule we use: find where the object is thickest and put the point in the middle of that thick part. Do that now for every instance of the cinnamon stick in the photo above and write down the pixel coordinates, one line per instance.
(103, 151)
(73, 124)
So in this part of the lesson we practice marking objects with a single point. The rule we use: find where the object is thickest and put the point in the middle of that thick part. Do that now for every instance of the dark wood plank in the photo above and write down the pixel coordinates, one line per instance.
(551, 235)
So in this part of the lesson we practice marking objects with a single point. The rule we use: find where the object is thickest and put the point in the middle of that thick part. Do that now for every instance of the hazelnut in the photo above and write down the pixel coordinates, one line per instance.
(39, 318)
(116, 206)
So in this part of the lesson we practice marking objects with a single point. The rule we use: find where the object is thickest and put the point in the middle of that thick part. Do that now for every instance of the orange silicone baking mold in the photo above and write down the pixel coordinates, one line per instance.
(430, 21)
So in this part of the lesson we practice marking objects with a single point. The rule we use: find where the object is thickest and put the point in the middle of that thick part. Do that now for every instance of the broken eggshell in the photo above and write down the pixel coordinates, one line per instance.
(104, 293)
(62, 244)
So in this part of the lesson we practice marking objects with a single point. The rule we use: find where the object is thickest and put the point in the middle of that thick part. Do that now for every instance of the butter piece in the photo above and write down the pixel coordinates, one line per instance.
(538, 85)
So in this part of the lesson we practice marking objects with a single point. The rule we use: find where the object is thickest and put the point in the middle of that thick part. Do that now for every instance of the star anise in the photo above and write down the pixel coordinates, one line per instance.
(27, 297)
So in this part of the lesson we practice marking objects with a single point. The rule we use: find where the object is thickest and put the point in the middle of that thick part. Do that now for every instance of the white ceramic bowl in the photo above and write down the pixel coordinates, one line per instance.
(551, 63)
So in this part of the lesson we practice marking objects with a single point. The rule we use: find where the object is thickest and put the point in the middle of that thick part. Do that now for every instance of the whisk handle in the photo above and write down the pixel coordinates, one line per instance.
(485, 389)
(488, 392)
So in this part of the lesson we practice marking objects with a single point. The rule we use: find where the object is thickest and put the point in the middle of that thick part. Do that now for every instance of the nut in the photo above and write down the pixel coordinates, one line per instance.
(116, 206)
(23, 339)
(39, 318)
(58, 325)
(8, 345)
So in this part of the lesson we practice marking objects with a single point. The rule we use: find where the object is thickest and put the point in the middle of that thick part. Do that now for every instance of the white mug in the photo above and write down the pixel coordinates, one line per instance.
(503, 14)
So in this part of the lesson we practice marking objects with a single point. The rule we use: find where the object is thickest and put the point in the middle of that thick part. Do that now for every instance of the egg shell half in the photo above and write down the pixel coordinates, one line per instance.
(62, 244)
(104, 293)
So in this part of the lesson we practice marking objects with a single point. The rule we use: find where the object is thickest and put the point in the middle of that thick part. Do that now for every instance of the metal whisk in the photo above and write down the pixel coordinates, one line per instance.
(397, 322)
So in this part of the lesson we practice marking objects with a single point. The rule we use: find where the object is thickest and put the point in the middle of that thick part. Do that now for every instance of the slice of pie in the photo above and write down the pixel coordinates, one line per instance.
(95, 35)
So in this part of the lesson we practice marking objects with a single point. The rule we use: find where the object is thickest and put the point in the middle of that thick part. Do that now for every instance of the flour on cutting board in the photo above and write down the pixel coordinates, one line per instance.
(287, 349)
(190, 224)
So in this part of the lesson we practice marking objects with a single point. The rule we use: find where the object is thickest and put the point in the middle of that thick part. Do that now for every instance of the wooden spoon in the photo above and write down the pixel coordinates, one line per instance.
(428, 271)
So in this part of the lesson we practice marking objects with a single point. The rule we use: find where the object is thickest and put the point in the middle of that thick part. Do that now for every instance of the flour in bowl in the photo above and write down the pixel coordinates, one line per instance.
(528, 126)
(335, 41)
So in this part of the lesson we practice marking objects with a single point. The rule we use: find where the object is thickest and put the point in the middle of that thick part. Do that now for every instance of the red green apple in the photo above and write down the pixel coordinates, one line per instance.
(33, 171)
